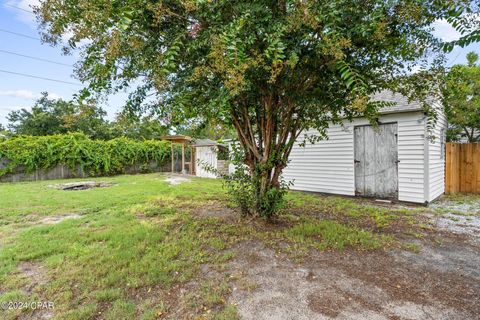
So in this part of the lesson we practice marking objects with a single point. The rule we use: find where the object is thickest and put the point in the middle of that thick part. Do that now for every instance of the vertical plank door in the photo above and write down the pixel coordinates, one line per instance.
(376, 161)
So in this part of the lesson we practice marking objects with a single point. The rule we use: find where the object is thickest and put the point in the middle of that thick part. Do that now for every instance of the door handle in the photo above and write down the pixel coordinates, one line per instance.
(398, 161)
(356, 161)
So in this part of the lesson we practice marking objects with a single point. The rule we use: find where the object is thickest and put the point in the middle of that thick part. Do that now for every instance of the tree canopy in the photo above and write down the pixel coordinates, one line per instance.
(461, 95)
(269, 68)
(139, 127)
(56, 116)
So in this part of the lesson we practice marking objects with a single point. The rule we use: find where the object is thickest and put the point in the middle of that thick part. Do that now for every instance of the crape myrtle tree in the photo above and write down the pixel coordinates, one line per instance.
(271, 69)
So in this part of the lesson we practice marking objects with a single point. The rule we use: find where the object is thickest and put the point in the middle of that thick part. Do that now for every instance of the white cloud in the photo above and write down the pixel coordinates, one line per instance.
(22, 9)
(26, 94)
(445, 31)
(23, 94)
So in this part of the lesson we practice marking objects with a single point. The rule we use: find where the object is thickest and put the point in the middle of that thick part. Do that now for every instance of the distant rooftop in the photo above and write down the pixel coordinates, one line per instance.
(205, 143)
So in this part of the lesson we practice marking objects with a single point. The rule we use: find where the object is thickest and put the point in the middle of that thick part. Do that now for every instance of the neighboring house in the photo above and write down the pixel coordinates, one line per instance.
(207, 155)
(464, 138)
(402, 160)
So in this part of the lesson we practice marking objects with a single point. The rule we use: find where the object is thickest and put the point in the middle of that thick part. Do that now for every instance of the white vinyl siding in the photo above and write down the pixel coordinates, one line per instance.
(437, 158)
(411, 153)
(328, 166)
(205, 156)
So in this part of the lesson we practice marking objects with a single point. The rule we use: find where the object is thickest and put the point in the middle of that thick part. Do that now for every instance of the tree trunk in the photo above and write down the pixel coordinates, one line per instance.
(266, 136)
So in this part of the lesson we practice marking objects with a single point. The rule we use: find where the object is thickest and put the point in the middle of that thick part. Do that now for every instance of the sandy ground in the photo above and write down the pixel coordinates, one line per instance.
(176, 179)
(441, 281)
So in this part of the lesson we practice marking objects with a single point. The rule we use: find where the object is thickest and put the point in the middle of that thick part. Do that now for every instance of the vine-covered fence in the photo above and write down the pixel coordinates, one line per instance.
(28, 158)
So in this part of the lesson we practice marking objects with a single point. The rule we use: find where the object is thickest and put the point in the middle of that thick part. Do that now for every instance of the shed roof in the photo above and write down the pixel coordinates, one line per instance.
(402, 104)
(177, 138)
(205, 143)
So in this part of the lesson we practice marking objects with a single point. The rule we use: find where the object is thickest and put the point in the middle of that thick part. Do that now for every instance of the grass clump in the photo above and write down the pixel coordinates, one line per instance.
(121, 310)
(152, 209)
(109, 294)
(329, 234)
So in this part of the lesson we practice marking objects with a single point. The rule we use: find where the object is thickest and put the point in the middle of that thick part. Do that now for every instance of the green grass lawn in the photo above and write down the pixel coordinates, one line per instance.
(139, 247)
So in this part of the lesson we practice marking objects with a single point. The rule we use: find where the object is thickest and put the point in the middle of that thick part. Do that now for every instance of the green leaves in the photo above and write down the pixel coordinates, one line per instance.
(276, 47)
(96, 157)
(351, 77)
(169, 63)
(461, 98)
(464, 19)
(125, 20)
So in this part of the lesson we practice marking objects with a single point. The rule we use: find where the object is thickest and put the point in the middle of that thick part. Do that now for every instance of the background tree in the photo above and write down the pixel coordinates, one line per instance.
(210, 129)
(461, 95)
(138, 127)
(55, 116)
(270, 68)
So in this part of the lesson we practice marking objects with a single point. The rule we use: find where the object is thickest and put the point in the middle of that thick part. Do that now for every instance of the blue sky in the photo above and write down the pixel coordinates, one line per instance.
(18, 92)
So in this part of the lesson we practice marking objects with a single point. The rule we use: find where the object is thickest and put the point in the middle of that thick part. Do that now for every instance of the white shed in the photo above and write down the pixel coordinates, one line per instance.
(207, 154)
(401, 160)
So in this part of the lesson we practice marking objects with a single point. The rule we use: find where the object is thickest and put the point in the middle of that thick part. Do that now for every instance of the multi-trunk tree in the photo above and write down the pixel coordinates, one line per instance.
(270, 68)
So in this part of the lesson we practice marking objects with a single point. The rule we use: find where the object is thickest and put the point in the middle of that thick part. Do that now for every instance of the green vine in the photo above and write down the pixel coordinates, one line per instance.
(95, 157)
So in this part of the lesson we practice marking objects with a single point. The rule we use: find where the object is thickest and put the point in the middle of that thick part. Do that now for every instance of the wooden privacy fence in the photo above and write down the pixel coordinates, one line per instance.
(462, 168)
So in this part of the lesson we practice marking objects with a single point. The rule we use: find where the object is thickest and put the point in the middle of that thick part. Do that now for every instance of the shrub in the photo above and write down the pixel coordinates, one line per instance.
(95, 157)
(244, 187)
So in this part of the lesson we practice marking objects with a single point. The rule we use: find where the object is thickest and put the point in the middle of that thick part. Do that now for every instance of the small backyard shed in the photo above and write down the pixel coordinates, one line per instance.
(403, 159)
(208, 153)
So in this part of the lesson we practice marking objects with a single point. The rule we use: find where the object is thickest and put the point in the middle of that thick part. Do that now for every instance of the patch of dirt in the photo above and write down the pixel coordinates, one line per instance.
(36, 276)
(177, 179)
(217, 210)
(58, 219)
(441, 282)
(81, 185)
(34, 272)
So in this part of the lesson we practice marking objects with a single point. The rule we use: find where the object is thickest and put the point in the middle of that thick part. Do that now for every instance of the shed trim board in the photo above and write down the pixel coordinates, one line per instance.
(426, 167)
(328, 166)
